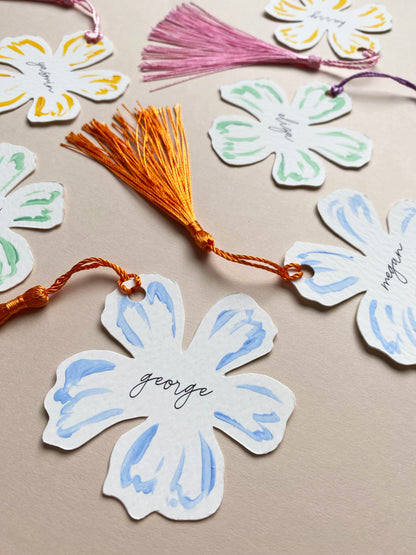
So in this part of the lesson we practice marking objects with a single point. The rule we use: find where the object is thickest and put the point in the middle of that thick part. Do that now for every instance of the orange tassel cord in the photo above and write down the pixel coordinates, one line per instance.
(152, 157)
(39, 296)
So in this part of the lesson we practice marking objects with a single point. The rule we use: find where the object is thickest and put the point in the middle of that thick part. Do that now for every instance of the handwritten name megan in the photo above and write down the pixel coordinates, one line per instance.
(182, 394)
(392, 271)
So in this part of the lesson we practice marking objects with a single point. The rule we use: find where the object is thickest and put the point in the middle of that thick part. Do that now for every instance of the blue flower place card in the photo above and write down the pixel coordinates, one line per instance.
(50, 78)
(289, 131)
(38, 206)
(171, 463)
(385, 269)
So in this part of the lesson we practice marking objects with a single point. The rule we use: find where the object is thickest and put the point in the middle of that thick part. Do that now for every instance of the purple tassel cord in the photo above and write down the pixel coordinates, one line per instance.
(335, 90)
(199, 44)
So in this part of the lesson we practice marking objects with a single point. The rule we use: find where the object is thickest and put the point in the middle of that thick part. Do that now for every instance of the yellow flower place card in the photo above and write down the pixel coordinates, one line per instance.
(51, 78)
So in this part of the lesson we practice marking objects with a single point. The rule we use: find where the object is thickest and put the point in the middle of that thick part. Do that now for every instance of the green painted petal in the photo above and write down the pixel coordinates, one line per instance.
(239, 141)
(38, 205)
(262, 98)
(298, 167)
(342, 146)
(317, 107)
(16, 163)
(16, 260)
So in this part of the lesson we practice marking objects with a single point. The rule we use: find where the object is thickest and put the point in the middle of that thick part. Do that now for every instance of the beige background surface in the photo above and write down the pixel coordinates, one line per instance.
(343, 480)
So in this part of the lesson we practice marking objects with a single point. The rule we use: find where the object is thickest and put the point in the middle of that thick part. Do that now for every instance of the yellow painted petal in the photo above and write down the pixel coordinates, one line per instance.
(286, 10)
(99, 85)
(78, 53)
(372, 18)
(54, 108)
(300, 36)
(351, 43)
(12, 93)
(16, 51)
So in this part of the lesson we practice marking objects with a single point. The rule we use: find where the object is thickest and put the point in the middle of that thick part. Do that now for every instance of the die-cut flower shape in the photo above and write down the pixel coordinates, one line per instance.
(387, 272)
(48, 77)
(288, 130)
(347, 29)
(38, 206)
(171, 463)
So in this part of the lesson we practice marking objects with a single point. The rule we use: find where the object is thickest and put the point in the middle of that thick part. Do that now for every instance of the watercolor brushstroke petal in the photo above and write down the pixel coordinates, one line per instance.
(351, 215)
(296, 167)
(318, 107)
(16, 260)
(389, 326)
(78, 53)
(150, 326)
(254, 411)
(261, 97)
(239, 140)
(402, 219)
(181, 479)
(16, 163)
(336, 272)
(300, 36)
(16, 51)
(348, 42)
(98, 85)
(234, 332)
(346, 148)
(12, 91)
(286, 10)
(91, 394)
(372, 18)
(55, 107)
(38, 205)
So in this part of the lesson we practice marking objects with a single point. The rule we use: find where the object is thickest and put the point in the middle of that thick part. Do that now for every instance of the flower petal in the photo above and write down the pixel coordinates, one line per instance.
(286, 10)
(348, 42)
(91, 394)
(372, 18)
(299, 166)
(16, 163)
(317, 107)
(98, 85)
(389, 325)
(262, 98)
(16, 51)
(55, 107)
(38, 205)
(12, 91)
(16, 260)
(351, 216)
(254, 411)
(234, 332)
(346, 148)
(300, 36)
(77, 52)
(337, 272)
(401, 219)
(239, 140)
(178, 475)
(145, 328)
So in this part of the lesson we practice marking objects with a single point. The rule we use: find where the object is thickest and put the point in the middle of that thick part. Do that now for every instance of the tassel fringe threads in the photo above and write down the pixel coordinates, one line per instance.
(152, 157)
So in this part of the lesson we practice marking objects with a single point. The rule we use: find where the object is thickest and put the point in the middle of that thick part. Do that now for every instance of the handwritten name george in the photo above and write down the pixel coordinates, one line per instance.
(392, 271)
(181, 394)
(43, 73)
(285, 127)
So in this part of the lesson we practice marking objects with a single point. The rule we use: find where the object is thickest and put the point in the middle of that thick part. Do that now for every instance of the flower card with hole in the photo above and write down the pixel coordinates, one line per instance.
(171, 463)
(290, 131)
(37, 206)
(385, 271)
(49, 78)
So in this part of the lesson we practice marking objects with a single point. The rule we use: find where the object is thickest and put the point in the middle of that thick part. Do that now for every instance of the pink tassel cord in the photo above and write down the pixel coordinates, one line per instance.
(91, 36)
(199, 44)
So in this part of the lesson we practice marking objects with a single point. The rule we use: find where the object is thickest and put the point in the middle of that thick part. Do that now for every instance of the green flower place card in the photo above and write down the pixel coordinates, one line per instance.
(290, 131)
(38, 206)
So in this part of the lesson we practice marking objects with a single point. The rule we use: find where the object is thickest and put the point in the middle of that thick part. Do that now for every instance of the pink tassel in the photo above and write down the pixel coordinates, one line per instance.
(199, 44)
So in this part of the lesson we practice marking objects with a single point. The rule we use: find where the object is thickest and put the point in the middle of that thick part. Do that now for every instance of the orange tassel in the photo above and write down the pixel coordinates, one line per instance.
(38, 296)
(152, 157)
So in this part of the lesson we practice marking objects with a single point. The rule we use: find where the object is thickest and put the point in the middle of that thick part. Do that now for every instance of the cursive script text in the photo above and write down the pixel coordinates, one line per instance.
(285, 127)
(392, 271)
(182, 394)
(321, 17)
(46, 76)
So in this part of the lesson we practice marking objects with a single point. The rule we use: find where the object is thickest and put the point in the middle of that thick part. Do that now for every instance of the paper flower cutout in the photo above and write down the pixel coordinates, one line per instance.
(288, 131)
(347, 29)
(39, 206)
(47, 78)
(387, 272)
(171, 463)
